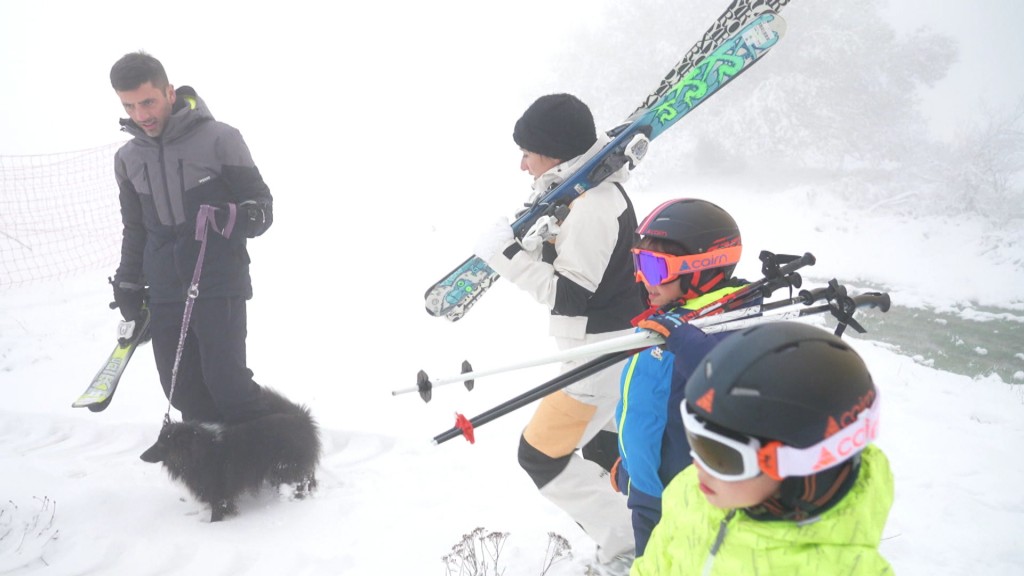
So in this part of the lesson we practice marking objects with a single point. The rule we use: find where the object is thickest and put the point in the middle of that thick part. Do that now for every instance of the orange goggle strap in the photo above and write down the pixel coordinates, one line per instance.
(691, 291)
(780, 461)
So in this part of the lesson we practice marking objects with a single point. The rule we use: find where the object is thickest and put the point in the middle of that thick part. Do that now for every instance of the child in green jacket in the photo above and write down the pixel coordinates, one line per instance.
(780, 418)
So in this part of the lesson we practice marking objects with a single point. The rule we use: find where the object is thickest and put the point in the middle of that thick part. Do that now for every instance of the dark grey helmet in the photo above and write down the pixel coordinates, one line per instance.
(783, 381)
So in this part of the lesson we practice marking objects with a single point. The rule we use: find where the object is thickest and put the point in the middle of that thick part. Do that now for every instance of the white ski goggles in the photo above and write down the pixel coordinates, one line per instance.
(730, 459)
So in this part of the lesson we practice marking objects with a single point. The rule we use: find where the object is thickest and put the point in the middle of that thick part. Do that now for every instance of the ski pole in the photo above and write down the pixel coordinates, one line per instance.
(424, 384)
(842, 311)
(466, 426)
(641, 339)
(779, 271)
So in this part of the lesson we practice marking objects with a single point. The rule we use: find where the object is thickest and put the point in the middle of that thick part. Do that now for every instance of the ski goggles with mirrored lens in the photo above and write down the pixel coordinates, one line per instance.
(737, 457)
(656, 268)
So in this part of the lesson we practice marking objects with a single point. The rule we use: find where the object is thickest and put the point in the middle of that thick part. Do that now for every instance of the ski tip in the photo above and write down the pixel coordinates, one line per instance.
(764, 30)
(92, 405)
(778, 24)
(99, 407)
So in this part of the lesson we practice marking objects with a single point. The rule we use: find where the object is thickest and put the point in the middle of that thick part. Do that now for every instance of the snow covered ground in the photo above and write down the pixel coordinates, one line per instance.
(77, 500)
(337, 319)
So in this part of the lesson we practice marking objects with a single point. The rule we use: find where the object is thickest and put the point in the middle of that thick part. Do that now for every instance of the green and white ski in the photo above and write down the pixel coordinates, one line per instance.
(101, 390)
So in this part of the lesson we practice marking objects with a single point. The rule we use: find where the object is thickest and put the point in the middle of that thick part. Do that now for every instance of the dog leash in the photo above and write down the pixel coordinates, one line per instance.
(205, 219)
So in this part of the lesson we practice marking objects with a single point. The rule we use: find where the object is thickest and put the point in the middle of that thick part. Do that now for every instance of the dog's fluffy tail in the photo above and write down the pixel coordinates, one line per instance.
(282, 447)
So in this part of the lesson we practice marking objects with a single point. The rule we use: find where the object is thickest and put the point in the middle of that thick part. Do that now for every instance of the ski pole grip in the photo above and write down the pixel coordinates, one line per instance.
(787, 280)
(806, 260)
(878, 300)
(809, 297)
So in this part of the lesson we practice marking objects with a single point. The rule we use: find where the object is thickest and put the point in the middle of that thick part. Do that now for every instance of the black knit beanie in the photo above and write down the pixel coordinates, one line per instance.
(558, 126)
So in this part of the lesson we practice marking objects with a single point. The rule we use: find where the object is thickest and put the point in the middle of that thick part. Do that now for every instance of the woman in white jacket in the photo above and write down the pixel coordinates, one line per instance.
(583, 273)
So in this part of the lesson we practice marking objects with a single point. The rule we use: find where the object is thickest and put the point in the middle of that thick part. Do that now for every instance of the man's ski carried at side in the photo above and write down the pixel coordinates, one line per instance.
(130, 334)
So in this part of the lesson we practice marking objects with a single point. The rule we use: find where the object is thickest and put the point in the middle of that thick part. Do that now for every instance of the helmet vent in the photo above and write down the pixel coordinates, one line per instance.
(744, 392)
(786, 347)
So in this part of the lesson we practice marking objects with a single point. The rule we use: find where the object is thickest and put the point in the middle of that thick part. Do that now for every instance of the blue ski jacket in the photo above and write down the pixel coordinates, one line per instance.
(652, 440)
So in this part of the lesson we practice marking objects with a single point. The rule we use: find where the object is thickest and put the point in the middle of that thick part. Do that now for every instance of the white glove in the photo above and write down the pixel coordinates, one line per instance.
(545, 228)
(494, 239)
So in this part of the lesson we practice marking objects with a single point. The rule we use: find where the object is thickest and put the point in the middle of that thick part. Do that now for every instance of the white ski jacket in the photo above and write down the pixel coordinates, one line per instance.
(585, 277)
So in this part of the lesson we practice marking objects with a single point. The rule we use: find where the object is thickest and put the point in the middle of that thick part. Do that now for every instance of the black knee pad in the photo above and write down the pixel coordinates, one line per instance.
(541, 467)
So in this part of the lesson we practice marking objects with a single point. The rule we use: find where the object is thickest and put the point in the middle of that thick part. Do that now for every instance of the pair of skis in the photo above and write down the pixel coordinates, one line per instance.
(744, 33)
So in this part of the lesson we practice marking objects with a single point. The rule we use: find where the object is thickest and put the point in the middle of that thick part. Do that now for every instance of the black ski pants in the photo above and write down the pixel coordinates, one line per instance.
(213, 383)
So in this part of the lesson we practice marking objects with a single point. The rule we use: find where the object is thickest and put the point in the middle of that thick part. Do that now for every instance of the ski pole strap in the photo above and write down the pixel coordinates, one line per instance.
(205, 219)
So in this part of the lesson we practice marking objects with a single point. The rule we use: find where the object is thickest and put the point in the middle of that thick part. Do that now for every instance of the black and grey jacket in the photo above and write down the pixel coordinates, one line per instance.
(163, 181)
(586, 276)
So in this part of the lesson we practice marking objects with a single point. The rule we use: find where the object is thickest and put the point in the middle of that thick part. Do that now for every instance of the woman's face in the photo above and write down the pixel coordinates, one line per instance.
(537, 164)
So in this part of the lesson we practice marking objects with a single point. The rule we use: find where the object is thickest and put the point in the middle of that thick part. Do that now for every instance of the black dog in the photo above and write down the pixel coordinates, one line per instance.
(218, 462)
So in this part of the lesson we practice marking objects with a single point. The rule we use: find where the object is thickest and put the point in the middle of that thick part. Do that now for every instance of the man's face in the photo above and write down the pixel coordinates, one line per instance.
(149, 107)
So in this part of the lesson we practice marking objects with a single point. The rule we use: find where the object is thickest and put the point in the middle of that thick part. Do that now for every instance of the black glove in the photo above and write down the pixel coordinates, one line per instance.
(251, 218)
(129, 298)
(254, 218)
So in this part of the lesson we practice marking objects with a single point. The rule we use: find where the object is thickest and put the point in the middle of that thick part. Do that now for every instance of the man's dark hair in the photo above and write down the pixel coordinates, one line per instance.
(135, 69)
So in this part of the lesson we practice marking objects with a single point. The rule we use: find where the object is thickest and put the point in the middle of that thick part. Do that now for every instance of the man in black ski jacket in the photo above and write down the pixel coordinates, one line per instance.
(179, 159)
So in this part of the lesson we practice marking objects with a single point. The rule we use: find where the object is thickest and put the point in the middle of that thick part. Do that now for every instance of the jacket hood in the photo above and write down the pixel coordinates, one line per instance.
(189, 109)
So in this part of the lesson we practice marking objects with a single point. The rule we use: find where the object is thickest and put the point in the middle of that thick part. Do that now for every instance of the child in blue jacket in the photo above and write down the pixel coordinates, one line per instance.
(685, 257)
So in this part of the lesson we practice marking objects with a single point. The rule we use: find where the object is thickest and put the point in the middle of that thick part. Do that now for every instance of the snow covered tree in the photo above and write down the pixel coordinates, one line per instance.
(841, 91)
(983, 170)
